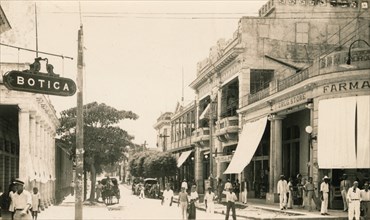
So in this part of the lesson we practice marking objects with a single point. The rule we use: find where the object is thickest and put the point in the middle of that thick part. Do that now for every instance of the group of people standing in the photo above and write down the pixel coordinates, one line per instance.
(187, 202)
(22, 204)
(355, 200)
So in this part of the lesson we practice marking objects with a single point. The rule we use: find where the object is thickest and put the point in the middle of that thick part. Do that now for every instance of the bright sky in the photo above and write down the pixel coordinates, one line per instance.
(135, 51)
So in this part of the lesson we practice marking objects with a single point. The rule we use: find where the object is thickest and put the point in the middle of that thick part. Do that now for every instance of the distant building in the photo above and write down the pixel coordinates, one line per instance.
(163, 127)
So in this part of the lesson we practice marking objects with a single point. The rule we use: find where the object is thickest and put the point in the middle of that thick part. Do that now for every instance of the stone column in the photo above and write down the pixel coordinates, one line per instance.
(24, 142)
(32, 148)
(42, 189)
(52, 165)
(276, 163)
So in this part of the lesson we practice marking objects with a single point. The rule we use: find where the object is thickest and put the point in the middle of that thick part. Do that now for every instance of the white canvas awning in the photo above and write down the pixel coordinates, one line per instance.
(249, 140)
(336, 133)
(205, 112)
(363, 132)
(184, 155)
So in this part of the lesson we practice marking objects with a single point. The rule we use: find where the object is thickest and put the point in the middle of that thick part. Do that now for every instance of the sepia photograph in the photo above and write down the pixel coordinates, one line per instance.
(184, 109)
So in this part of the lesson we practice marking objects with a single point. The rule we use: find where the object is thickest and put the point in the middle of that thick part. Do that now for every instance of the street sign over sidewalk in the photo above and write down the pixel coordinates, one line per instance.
(36, 82)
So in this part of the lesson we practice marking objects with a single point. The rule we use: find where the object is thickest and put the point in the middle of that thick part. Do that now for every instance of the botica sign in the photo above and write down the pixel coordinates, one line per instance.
(39, 83)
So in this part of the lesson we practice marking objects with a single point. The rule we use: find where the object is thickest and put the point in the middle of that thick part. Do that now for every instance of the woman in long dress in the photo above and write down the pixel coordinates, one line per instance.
(193, 199)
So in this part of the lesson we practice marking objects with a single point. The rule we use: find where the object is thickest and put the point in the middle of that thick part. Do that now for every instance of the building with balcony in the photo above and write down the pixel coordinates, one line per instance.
(289, 90)
(280, 98)
(182, 126)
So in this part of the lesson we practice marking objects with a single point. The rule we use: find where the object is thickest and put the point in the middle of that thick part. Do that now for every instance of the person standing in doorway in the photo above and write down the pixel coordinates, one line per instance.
(22, 201)
(282, 190)
(290, 193)
(244, 189)
(354, 197)
(230, 200)
(345, 184)
(324, 195)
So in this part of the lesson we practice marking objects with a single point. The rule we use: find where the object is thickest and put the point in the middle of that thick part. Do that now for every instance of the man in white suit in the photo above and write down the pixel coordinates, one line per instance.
(282, 189)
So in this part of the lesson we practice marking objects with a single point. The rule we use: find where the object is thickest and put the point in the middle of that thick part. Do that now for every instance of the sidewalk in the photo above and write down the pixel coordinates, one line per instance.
(258, 209)
(66, 211)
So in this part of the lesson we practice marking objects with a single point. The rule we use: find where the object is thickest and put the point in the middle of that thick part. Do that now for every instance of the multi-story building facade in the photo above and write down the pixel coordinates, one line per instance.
(284, 98)
(28, 125)
(27, 133)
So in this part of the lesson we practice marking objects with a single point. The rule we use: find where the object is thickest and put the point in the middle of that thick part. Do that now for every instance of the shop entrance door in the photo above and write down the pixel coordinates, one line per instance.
(291, 148)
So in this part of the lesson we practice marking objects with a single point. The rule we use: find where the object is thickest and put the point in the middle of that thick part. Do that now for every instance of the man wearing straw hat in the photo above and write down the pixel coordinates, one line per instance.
(354, 198)
(22, 202)
(324, 190)
(282, 190)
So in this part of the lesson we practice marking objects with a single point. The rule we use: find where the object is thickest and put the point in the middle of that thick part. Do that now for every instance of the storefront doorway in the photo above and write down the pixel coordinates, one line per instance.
(291, 151)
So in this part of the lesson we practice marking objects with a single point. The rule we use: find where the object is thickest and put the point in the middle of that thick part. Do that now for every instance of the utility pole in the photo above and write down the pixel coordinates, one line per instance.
(144, 145)
(164, 136)
(79, 130)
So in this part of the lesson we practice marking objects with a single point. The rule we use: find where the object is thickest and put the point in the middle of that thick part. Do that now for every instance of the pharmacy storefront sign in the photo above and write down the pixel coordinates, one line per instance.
(37, 82)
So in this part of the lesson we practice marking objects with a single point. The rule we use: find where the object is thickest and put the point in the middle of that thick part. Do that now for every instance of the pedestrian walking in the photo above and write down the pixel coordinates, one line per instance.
(290, 193)
(309, 193)
(354, 197)
(167, 196)
(345, 184)
(219, 190)
(324, 195)
(13, 190)
(184, 184)
(365, 201)
(22, 201)
(183, 202)
(72, 187)
(142, 191)
(99, 189)
(36, 201)
(230, 203)
(282, 190)
(301, 182)
(237, 188)
(228, 185)
(244, 189)
(192, 201)
(209, 198)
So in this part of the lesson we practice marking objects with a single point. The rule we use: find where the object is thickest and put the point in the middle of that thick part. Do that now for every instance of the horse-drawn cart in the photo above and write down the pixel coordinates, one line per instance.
(110, 189)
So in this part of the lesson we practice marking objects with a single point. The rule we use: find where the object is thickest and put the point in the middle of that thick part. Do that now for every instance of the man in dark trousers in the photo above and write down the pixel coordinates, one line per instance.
(230, 203)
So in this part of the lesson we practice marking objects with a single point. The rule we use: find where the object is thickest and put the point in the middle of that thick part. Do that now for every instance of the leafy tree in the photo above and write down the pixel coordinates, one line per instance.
(104, 142)
(152, 164)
